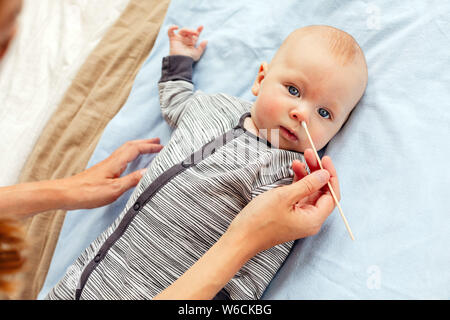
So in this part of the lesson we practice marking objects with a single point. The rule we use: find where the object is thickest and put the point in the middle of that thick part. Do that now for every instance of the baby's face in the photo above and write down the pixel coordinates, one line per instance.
(305, 83)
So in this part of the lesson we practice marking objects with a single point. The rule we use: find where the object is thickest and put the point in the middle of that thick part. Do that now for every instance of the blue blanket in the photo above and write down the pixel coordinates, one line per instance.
(390, 156)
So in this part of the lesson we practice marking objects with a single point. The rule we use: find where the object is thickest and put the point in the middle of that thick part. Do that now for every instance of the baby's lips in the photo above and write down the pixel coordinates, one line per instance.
(289, 134)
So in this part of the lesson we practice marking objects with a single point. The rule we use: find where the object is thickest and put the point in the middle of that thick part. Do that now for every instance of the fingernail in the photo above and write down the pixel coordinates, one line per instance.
(142, 171)
(322, 175)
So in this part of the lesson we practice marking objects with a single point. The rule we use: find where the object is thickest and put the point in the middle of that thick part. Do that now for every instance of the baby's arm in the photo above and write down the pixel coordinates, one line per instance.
(175, 86)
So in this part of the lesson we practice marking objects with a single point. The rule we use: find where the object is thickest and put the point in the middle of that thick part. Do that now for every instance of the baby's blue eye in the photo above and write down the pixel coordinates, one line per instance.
(324, 113)
(294, 91)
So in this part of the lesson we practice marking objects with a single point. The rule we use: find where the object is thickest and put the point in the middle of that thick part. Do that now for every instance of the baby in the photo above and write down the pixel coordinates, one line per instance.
(223, 152)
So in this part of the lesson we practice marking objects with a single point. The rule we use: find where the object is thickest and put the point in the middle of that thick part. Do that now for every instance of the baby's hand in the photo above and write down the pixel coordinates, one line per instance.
(183, 42)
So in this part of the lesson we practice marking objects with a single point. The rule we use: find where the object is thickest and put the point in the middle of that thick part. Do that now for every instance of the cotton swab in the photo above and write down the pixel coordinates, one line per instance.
(329, 185)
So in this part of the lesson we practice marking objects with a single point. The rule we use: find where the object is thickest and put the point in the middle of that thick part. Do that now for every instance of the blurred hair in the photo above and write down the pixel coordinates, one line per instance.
(11, 248)
(341, 44)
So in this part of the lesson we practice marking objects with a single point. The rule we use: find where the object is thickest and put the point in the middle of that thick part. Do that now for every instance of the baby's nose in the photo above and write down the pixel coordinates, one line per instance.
(298, 115)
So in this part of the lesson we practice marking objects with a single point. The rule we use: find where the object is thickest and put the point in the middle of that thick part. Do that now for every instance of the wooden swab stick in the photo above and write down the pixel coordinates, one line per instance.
(329, 185)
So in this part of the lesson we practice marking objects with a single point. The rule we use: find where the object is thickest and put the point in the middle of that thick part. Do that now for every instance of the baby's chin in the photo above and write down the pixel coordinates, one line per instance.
(282, 143)
(298, 146)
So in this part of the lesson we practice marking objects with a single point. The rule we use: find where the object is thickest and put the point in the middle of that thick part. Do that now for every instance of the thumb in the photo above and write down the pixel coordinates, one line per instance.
(202, 46)
(308, 185)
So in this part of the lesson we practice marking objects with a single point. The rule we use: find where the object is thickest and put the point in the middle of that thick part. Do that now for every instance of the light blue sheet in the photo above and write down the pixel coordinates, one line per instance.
(391, 156)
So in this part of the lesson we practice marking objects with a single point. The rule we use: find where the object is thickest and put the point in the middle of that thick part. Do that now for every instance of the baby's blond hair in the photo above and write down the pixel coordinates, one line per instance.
(341, 44)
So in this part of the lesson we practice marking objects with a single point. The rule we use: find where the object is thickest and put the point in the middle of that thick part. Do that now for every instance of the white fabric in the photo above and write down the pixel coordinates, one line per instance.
(53, 40)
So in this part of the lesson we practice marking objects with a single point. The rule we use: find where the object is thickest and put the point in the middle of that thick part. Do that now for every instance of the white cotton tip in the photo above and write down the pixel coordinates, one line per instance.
(304, 124)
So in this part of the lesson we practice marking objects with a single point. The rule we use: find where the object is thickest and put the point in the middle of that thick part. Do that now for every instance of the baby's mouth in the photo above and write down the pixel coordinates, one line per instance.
(288, 134)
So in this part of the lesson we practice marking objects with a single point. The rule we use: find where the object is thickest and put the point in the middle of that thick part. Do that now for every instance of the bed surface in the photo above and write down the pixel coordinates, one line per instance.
(390, 156)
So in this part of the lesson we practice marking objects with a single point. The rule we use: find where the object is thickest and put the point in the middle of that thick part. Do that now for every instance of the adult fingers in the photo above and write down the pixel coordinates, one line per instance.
(151, 140)
(130, 151)
(334, 181)
(324, 207)
(313, 164)
(311, 199)
(299, 169)
(149, 147)
(129, 181)
(306, 186)
(311, 160)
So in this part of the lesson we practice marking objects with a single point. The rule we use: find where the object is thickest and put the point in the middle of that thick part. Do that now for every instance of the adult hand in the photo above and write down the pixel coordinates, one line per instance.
(290, 212)
(276, 216)
(102, 184)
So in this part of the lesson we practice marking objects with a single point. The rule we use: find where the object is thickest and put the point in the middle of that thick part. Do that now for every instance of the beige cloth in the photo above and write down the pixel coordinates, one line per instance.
(67, 142)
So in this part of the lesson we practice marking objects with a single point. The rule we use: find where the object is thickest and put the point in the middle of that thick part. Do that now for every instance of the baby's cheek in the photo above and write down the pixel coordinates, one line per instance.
(267, 111)
(271, 109)
(320, 140)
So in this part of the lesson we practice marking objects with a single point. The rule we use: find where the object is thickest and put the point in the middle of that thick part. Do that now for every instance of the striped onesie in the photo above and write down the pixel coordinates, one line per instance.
(207, 173)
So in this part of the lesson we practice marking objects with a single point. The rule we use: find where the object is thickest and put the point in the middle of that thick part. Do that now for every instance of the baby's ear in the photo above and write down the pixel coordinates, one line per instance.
(259, 78)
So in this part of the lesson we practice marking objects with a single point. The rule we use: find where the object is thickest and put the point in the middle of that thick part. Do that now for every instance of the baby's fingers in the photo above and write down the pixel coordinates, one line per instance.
(199, 50)
(171, 31)
(202, 46)
(188, 33)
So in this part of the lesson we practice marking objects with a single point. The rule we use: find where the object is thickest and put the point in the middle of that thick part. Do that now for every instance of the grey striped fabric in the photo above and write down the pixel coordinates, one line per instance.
(190, 211)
